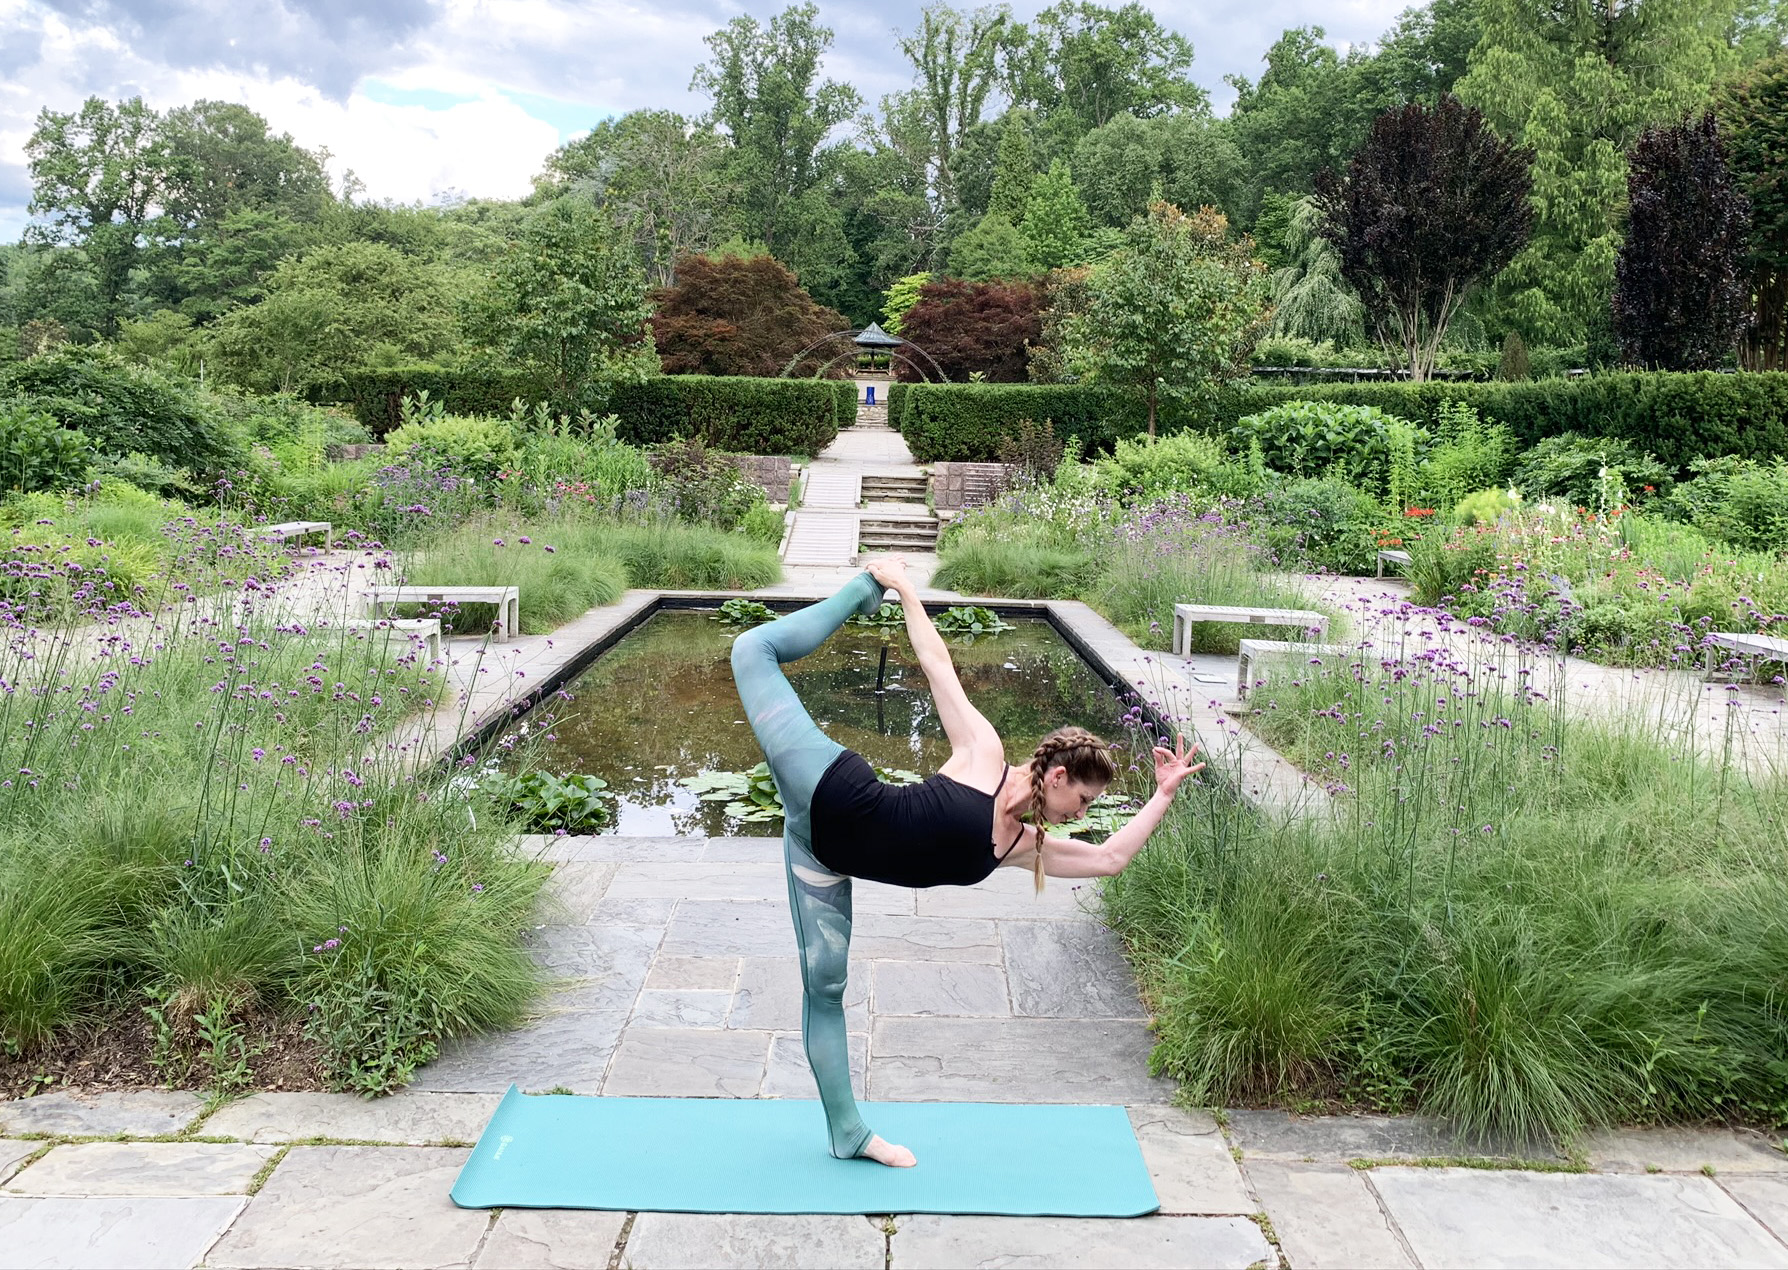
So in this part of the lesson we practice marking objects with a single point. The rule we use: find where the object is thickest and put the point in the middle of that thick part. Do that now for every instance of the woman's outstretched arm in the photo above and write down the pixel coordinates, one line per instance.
(970, 734)
(1071, 858)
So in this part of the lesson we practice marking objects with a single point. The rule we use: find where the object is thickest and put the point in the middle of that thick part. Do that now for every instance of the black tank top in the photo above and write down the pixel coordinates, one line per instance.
(936, 833)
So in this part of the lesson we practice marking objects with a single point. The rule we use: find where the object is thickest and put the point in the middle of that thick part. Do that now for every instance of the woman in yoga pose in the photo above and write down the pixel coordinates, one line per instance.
(952, 830)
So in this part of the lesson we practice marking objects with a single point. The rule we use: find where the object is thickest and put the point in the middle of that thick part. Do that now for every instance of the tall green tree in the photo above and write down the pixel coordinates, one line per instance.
(657, 176)
(1431, 206)
(1079, 65)
(1754, 111)
(764, 83)
(955, 57)
(568, 300)
(97, 175)
(1015, 170)
(1055, 220)
(1183, 158)
(338, 308)
(1173, 314)
(1577, 83)
(223, 158)
(993, 249)
(1311, 298)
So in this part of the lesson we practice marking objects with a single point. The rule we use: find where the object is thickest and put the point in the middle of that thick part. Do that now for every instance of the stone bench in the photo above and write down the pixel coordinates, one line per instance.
(1251, 653)
(1398, 558)
(297, 529)
(426, 629)
(506, 598)
(1758, 648)
(1186, 614)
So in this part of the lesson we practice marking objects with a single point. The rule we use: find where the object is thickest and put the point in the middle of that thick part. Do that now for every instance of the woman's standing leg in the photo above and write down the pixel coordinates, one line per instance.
(820, 900)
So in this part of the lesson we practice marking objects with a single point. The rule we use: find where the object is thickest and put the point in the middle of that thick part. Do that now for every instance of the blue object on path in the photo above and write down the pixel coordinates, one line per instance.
(871, 391)
(724, 1155)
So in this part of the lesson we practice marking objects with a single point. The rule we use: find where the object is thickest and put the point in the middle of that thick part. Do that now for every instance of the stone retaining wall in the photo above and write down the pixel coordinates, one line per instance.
(955, 486)
(775, 473)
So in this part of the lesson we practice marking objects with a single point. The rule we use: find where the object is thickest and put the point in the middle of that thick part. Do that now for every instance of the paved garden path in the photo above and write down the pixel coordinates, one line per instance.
(825, 527)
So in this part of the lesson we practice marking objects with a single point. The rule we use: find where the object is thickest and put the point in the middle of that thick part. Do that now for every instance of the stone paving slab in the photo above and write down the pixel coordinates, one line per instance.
(550, 1239)
(599, 968)
(14, 1154)
(1327, 1217)
(130, 1233)
(610, 849)
(876, 936)
(680, 1007)
(1473, 1217)
(1069, 970)
(144, 1168)
(138, 1113)
(769, 996)
(961, 988)
(743, 851)
(946, 1243)
(570, 1050)
(1675, 1150)
(730, 928)
(789, 1075)
(699, 881)
(381, 1208)
(1280, 1135)
(676, 1240)
(407, 1118)
(1189, 1162)
(688, 1063)
(574, 889)
(1765, 1197)
(1008, 893)
(712, 973)
(1012, 1060)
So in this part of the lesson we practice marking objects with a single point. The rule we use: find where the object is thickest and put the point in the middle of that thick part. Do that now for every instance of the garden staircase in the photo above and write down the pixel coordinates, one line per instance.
(878, 488)
(897, 533)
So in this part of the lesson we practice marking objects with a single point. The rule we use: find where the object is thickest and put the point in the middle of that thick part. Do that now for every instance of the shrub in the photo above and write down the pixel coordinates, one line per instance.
(562, 572)
(1033, 448)
(1323, 524)
(37, 453)
(973, 327)
(1472, 454)
(1313, 438)
(1485, 507)
(124, 409)
(703, 486)
(739, 315)
(1140, 471)
(1599, 473)
(376, 397)
(475, 447)
(1742, 502)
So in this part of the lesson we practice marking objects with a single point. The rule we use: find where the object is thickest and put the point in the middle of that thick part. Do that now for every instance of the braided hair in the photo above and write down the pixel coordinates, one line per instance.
(1087, 760)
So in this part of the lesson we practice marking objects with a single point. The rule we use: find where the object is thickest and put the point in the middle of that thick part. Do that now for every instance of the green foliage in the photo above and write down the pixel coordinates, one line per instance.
(547, 803)
(1056, 224)
(568, 301)
(890, 613)
(335, 310)
(741, 612)
(1142, 471)
(1310, 438)
(1594, 472)
(563, 570)
(1678, 417)
(375, 395)
(1311, 299)
(703, 486)
(1033, 449)
(1173, 314)
(37, 453)
(1325, 524)
(478, 447)
(1753, 111)
(1470, 454)
(738, 414)
(672, 556)
(966, 422)
(969, 619)
(125, 409)
(993, 249)
(1014, 172)
(900, 297)
(1737, 501)
(752, 797)
(1513, 366)
(1485, 507)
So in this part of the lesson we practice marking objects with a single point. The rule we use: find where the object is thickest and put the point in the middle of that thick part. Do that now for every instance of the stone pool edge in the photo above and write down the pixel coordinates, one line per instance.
(529, 669)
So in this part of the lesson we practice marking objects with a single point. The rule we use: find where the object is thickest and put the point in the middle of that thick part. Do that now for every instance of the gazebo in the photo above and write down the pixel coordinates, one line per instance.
(873, 340)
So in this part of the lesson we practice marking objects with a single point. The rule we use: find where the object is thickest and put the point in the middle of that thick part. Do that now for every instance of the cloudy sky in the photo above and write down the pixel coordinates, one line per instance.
(425, 97)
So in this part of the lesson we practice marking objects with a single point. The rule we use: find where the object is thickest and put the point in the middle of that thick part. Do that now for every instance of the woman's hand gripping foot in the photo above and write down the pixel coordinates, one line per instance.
(887, 1153)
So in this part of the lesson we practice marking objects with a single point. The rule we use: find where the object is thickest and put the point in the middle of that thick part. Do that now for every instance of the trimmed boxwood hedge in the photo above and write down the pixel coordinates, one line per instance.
(739, 413)
(1677, 417)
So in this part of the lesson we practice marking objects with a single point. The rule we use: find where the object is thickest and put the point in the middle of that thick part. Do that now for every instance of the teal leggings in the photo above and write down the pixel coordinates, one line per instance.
(820, 900)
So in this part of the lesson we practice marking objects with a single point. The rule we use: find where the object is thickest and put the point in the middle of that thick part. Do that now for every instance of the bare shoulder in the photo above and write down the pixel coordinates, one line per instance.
(978, 766)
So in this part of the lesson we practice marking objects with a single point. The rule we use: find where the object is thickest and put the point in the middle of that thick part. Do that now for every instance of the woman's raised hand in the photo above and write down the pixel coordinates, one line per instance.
(890, 571)
(1173, 766)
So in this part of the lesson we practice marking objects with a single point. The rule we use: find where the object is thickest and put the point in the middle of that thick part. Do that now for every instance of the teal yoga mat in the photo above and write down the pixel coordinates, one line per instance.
(720, 1155)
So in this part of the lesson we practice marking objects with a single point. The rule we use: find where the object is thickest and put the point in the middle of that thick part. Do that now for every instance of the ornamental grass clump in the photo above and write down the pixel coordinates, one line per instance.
(1495, 912)
(210, 815)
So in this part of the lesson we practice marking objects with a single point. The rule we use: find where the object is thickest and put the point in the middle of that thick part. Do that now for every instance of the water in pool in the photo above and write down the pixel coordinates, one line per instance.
(660, 706)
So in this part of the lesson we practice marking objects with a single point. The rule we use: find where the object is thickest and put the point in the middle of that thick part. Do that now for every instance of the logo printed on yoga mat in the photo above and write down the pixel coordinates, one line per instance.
(502, 1145)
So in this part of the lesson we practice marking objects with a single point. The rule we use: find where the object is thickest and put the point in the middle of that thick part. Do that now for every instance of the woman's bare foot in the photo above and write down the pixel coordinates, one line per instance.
(887, 1153)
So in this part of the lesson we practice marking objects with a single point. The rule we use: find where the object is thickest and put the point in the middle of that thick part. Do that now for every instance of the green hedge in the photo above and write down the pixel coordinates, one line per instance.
(1677, 417)
(964, 422)
(736, 412)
